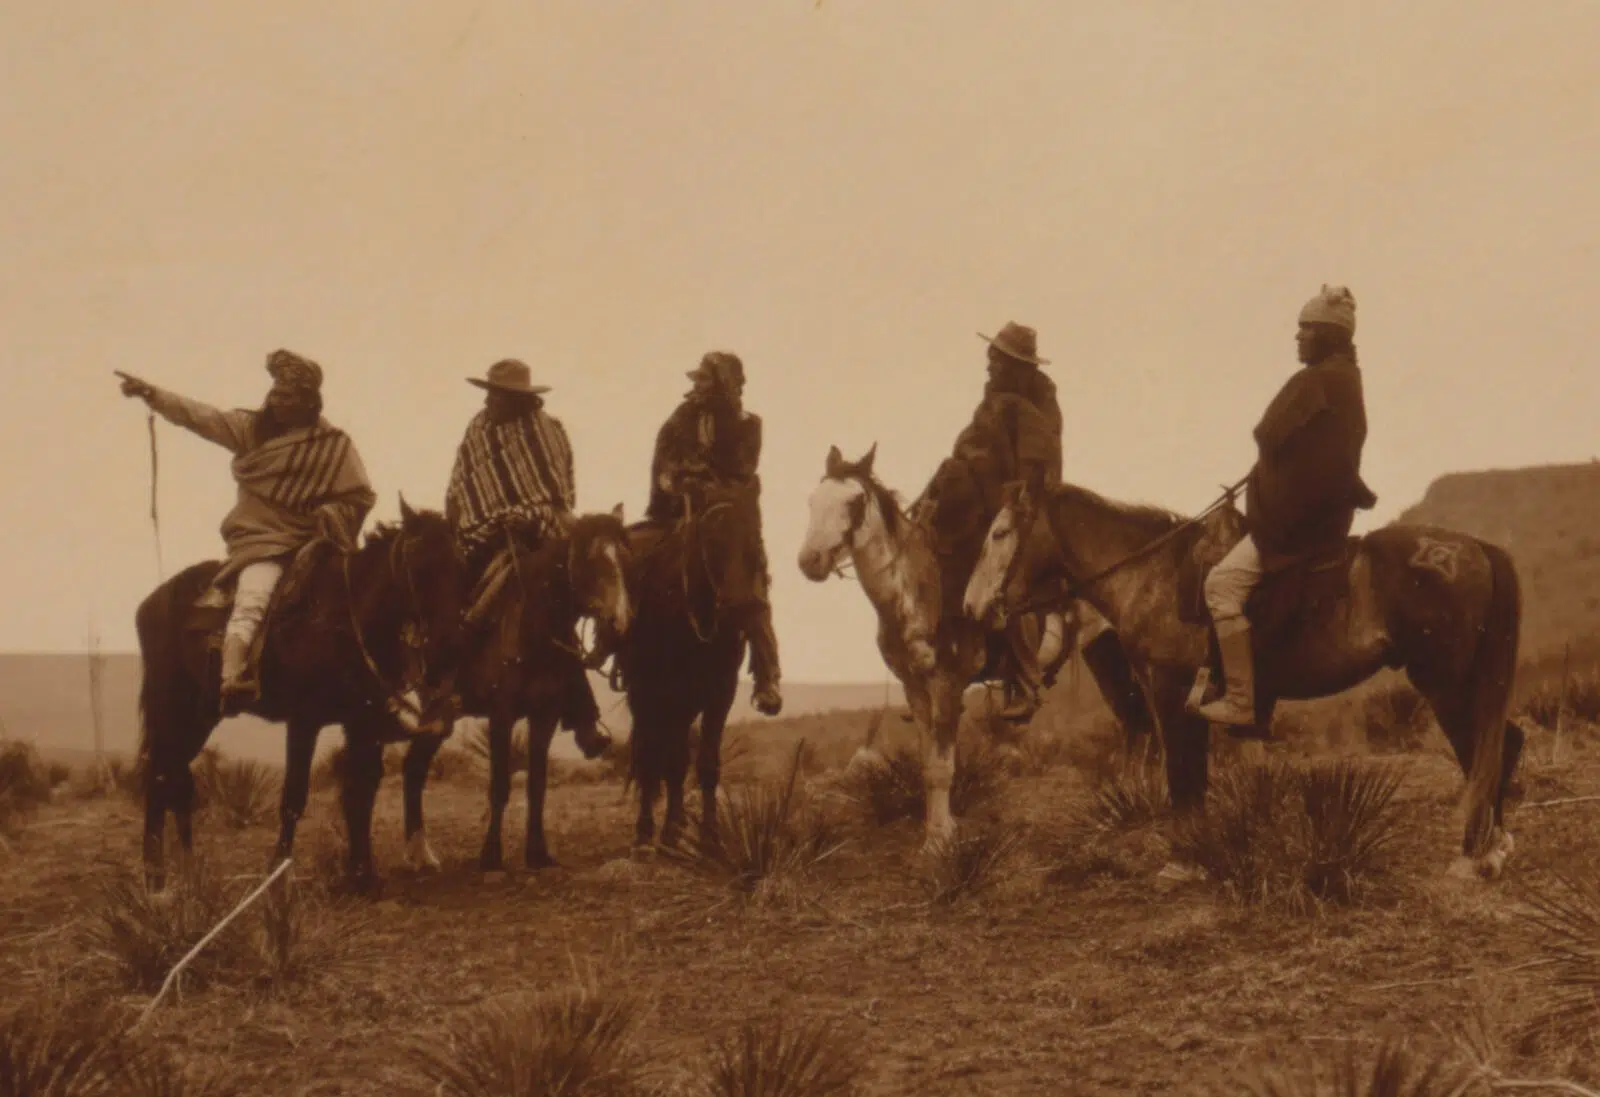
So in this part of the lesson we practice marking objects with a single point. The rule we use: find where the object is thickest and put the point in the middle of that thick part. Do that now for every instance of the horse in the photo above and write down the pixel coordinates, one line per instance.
(1441, 606)
(523, 662)
(938, 655)
(349, 639)
(682, 657)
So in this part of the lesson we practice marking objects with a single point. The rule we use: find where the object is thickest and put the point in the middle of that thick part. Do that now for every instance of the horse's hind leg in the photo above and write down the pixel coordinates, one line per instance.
(299, 748)
(420, 753)
(708, 760)
(541, 730)
(645, 745)
(676, 772)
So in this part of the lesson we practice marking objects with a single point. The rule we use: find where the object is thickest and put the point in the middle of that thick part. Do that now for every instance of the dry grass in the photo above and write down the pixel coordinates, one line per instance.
(968, 865)
(895, 790)
(1293, 837)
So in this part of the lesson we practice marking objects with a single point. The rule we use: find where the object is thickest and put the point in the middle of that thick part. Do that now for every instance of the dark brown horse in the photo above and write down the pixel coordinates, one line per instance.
(522, 661)
(681, 660)
(1442, 606)
(362, 632)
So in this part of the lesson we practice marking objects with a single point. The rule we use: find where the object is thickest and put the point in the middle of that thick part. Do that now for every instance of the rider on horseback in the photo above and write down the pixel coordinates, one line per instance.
(1303, 492)
(1014, 434)
(711, 439)
(513, 483)
(300, 480)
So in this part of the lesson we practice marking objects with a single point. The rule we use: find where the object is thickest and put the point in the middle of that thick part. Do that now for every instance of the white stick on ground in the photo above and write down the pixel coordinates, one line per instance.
(216, 929)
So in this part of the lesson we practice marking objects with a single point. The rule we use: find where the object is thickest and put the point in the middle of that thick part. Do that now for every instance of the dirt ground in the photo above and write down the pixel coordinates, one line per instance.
(1099, 977)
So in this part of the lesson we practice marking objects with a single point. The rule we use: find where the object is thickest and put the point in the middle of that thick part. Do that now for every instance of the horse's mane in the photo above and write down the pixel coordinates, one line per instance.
(1143, 514)
(888, 501)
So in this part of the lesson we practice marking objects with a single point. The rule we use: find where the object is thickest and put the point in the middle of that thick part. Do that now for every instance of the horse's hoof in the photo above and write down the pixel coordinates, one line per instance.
(419, 854)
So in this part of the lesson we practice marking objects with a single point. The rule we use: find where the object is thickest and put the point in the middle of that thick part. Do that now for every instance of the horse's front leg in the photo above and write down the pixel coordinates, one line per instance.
(492, 857)
(420, 753)
(359, 793)
(708, 759)
(300, 746)
(940, 768)
(541, 730)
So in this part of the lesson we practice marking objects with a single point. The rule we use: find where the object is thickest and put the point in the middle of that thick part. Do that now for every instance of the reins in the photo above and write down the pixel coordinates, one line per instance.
(398, 703)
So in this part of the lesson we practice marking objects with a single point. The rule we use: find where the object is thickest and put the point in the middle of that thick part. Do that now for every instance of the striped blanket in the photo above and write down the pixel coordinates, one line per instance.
(516, 470)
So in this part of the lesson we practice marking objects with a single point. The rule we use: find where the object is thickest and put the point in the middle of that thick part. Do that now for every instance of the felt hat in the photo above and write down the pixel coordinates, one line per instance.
(509, 375)
(1017, 341)
(720, 366)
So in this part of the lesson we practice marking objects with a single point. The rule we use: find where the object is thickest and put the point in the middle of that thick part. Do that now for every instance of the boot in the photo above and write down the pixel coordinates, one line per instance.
(1023, 684)
(1236, 707)
(236, 691)
(764, 661)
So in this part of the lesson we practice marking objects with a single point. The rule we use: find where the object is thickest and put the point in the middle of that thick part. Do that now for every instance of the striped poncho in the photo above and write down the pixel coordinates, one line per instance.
(286, 482)
(521, 469)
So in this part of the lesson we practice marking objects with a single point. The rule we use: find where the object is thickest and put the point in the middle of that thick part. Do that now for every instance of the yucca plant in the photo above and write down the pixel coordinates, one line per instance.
(967, 865)
(144, 933)
(896, 789)
(1566, 912)
(779, 1058)
(24, 783)
(577, 1042)
(1393, 1069)
(243, 791)
(765, 840)
(1281, 835)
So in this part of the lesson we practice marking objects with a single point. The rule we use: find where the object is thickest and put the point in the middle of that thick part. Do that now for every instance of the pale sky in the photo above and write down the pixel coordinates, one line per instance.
(843, 194)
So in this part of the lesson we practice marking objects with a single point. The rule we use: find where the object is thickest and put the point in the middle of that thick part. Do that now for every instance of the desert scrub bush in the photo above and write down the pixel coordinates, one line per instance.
(1395, 718)
(142, 934)
(24, 783)
(576, 1042)
(895, 790)
(1285, 836)
(1134, 798)
(78, 1050)
(242, 791)
(302, 936)
(1393, 1069)
(970, 864)
(768, 843)
(1543, 705)
(784, 1058)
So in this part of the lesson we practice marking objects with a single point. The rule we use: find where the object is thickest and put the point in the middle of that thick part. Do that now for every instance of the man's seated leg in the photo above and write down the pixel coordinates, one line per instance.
(582, 712)
(764, 667)
(1023, 679)
(250, 599)
(1228, 589)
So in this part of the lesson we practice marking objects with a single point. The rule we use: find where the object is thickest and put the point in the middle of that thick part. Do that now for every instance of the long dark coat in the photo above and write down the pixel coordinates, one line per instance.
(1306, 485)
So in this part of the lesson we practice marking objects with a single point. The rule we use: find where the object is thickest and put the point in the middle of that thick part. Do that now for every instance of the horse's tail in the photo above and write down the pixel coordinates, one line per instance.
(1488, 702)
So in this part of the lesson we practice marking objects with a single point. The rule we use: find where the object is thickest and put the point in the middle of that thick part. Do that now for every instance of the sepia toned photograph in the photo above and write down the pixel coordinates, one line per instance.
(799, 548)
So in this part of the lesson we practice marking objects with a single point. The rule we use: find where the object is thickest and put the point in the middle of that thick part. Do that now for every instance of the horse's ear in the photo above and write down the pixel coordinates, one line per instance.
(616, 512)
(407, 515)
(835, 463)
(864, 466)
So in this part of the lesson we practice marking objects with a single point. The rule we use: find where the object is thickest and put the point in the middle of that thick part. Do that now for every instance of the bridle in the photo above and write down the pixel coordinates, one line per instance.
(858, 517)
(690, 519)
(414, 632)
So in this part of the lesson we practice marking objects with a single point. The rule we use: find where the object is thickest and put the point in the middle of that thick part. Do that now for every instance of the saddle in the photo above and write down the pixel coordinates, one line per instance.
(209, 613)
(1303, 595)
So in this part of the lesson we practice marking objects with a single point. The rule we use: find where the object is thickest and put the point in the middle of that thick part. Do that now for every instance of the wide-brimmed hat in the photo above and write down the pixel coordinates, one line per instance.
(720, 366)
(293, 371)
(509, 375)
(1017, 341)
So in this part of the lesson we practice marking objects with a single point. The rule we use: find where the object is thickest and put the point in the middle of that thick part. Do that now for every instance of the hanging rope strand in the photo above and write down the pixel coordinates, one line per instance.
(155, 513)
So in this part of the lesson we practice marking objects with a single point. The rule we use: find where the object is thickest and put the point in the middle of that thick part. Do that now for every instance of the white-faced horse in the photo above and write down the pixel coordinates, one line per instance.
(927, 645)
